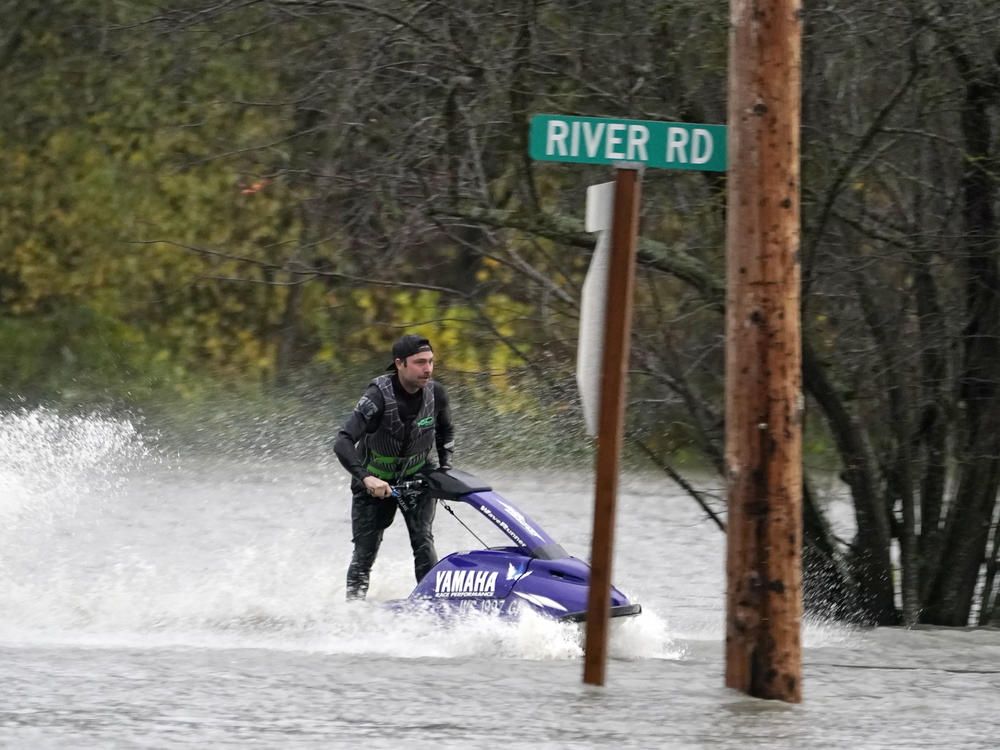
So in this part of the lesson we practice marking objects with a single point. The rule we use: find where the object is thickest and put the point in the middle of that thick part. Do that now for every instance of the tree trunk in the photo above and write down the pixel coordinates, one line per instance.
(990, 612)
(968, 524)
(932, 429)
(288, 334)
(827, 587)
(869, 558)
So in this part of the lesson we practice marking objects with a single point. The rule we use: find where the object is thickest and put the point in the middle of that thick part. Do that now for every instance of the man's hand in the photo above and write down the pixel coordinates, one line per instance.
(376, 487)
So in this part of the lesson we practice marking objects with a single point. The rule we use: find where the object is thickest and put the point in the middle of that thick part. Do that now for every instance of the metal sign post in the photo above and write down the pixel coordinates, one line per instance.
(611, 417)
(628, 145)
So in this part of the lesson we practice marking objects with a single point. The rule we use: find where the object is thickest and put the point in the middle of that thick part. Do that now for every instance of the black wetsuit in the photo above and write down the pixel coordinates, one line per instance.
(365, 445)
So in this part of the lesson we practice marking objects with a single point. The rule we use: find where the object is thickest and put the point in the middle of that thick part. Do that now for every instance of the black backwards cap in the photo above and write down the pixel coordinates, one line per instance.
(407, 346)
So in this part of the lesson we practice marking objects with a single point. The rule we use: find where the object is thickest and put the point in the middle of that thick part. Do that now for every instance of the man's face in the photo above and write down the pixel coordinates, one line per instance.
(415, 371)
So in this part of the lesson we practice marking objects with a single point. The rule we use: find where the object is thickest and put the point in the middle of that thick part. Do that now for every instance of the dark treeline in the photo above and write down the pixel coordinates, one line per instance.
(264, 193)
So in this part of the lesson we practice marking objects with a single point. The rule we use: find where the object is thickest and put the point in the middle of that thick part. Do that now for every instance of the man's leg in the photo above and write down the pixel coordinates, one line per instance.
(419, 522)
(369, 519)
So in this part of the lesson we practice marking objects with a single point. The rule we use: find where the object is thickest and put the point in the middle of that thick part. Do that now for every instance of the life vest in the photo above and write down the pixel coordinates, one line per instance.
(390, 453)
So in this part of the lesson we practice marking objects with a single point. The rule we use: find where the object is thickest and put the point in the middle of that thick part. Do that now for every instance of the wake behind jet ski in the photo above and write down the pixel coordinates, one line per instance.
(533, 573)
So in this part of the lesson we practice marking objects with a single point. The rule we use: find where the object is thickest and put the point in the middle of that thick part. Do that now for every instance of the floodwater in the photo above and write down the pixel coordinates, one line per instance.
(151, 601)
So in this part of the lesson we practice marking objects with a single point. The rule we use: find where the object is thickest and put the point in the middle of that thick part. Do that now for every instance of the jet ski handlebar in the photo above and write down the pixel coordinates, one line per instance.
(409, 487)
(407, 493)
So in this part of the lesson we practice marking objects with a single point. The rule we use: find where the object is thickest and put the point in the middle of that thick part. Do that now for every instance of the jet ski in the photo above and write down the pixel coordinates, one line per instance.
(532, 573)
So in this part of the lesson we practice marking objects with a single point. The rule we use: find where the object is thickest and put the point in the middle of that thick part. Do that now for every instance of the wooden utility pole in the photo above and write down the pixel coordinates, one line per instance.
(611, 417)
(763, 352)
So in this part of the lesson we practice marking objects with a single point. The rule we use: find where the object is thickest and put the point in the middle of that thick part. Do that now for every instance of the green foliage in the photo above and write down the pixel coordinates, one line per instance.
(93, 169)
(168, 173)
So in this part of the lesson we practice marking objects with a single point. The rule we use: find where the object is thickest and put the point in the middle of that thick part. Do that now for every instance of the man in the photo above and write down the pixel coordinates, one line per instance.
(400, 421)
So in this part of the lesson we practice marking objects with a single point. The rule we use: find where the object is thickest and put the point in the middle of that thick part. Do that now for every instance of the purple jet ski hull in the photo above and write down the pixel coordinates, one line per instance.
(533, 574)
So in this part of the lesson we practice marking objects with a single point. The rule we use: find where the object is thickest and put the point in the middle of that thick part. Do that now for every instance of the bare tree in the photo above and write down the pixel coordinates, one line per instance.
(405, 148)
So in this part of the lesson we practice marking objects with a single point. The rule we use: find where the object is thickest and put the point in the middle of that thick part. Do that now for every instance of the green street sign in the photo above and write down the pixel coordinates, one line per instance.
(596, 140)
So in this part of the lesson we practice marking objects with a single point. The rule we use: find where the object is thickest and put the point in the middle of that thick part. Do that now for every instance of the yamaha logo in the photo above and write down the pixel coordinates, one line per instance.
(465, 583)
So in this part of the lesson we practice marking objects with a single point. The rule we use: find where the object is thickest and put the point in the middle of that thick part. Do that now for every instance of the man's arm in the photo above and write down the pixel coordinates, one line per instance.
(364, 419)
(444, 429)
